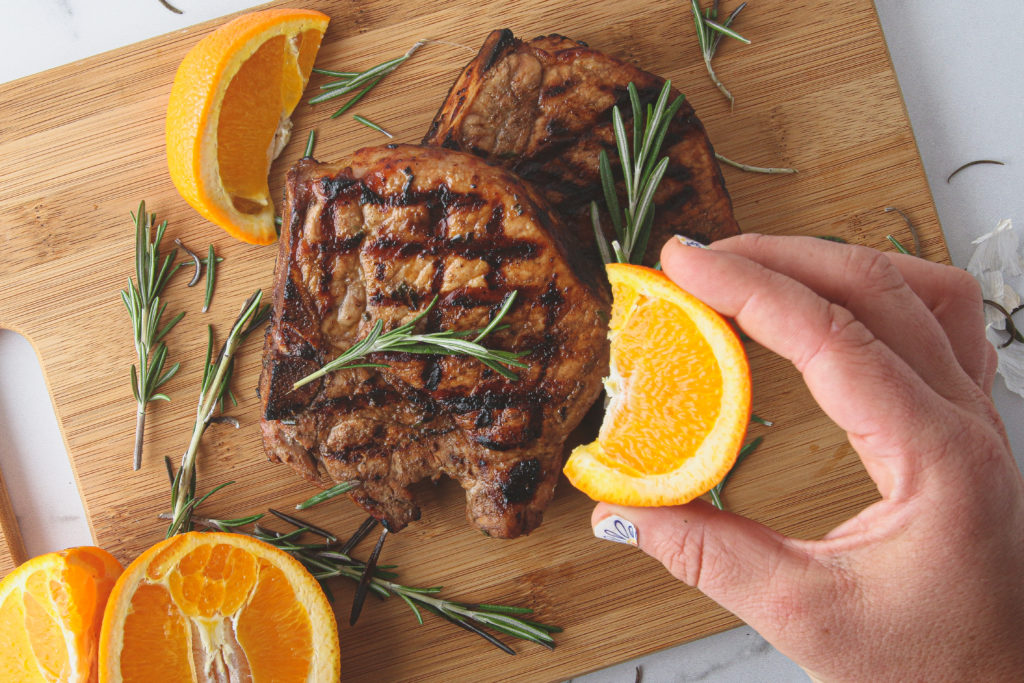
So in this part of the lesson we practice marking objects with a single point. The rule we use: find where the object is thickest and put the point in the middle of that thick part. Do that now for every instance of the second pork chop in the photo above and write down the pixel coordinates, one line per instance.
(376, 237)
(542, 108)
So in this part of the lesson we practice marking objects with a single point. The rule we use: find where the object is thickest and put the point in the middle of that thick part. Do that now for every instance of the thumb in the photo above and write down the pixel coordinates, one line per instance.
(757, 574)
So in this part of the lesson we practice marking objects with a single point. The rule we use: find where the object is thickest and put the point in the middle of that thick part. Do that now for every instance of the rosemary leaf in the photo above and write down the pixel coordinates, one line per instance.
(211, 265)
(310, 142)
(196, 262)
(412, 606)
(744, 453)
(370, 124)
(352, 102)
(911, 228)
(294, 521)
(896, 243)
(599, 238)
(336, 490)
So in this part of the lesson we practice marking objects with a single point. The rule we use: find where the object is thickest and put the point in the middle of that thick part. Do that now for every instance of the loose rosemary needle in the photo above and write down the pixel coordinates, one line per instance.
(450, 342)
(641, 172)
(974, 163)
(142, 299)
(310, 142)
(370, 124)
(211, 272)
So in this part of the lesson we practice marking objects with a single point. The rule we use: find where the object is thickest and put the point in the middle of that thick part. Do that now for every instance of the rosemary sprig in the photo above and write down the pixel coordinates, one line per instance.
(641, 175)
(709, 35)
(216, 377)
(329, 560)
(142, 299)
(402, 339)
(361, 80)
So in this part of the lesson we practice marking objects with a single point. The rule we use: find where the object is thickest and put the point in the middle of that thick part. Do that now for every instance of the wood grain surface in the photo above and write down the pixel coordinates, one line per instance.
(81, 145)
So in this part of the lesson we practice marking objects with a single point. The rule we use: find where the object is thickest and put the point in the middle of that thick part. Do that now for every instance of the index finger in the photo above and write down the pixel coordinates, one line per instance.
(886, 409)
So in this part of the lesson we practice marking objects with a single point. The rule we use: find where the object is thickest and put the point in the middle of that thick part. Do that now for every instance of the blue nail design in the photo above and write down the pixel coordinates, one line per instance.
(690, 242)
(616, 529)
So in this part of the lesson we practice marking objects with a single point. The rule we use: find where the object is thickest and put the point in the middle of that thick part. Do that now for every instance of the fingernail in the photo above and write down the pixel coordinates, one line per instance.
(616, 529)
(690, 242)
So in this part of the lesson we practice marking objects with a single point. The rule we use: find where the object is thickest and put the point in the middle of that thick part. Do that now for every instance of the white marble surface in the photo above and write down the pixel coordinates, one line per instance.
(960, 71)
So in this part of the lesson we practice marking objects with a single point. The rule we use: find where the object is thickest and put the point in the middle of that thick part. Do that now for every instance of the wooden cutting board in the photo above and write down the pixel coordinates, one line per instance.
(82, 144)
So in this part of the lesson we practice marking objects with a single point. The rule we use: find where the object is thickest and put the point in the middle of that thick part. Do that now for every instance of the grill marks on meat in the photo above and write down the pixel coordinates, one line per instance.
(377, 237)
(542, 108)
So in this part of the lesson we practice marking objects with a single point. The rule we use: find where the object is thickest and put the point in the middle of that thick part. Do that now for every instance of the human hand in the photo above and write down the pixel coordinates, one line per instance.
(927, 583)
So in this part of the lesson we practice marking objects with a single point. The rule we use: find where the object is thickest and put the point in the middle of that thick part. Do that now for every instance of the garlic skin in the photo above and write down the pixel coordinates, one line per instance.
(998, 265)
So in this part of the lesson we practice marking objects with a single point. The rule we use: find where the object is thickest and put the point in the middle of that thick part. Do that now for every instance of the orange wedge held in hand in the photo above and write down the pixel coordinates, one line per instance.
(679, 397)
(50, 613)
(217, 606)
(229, 115)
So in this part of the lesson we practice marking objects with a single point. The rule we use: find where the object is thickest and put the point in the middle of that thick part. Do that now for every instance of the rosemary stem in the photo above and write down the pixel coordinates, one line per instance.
(188, 466)
(140, 427)
(718, 84)
(754, 169)
(142, 343)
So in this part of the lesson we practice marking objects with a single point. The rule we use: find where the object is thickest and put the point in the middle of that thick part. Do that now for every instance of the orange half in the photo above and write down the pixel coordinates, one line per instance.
(229, 115)
(678, 397)
(217, 606)
(50, 613)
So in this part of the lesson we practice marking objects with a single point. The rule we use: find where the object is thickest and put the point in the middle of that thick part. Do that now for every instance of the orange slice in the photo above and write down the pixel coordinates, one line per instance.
(229, 115)
(50, 613)
(679, 397)
(217, 606)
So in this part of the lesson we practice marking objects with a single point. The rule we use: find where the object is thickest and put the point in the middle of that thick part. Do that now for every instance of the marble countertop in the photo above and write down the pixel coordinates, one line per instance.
(960, 76)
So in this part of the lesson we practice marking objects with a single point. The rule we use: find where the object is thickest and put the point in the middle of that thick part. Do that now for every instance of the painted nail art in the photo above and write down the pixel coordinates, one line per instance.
(690, 242)
(616, 529)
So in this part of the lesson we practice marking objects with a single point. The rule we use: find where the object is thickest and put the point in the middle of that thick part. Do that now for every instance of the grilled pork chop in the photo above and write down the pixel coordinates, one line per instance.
(376, 237)
(542, 109)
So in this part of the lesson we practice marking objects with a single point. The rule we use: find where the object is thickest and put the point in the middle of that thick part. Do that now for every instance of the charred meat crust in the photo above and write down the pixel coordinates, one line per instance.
(377, 237)
(542, 108)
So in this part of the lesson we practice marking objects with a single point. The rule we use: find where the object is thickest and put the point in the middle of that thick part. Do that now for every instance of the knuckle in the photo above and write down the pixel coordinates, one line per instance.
(843, 332)
(874, 268)
(963, 284)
